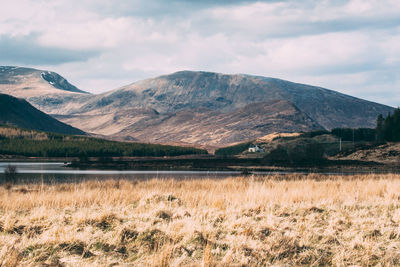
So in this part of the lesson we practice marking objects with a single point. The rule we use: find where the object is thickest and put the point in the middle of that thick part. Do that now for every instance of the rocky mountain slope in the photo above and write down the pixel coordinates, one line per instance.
(203, 126)
(18, 112)
(204, 108)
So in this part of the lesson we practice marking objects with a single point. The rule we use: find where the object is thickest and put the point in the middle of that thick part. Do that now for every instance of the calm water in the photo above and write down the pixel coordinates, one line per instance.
(56, 171)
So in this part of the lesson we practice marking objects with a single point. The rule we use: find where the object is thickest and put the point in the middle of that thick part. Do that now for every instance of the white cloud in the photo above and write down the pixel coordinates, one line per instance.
(94, 34)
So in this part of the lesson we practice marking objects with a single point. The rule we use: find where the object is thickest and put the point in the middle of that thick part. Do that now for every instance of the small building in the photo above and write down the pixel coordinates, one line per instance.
(255, 149)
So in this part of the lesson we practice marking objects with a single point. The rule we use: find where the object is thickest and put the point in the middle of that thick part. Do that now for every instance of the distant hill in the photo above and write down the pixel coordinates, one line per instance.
(18, 112)
(203, 108)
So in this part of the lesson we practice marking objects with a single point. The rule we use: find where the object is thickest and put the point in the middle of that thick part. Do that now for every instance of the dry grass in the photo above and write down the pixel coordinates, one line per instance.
(14, 133)
(288, 220)
(272, 136)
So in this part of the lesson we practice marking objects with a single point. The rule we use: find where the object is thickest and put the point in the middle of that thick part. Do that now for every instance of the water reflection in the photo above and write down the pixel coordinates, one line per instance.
(57, 172)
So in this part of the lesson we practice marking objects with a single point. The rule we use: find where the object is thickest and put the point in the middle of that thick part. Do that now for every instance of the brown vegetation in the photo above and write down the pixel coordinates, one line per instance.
(388, 153)
(15, 133)
(281, 220)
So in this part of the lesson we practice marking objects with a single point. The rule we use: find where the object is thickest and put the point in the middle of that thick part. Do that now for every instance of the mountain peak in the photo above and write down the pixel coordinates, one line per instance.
(23, 76)
(60, 82)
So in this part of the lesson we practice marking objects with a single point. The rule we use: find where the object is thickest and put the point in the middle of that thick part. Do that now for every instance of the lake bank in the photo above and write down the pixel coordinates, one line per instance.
(58, 172)
(245, 165)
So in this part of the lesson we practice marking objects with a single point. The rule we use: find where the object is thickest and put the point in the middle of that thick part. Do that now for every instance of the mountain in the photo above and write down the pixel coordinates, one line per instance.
(18, 112)
(202, 108)
(46, 90)
(207, 109)
(187, 90)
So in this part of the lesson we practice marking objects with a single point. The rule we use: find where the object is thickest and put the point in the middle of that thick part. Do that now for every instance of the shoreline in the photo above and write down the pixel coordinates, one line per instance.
(212, 163)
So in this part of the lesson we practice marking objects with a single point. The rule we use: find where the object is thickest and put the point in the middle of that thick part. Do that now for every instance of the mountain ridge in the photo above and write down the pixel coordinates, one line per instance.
(164, 94)
(155, 103)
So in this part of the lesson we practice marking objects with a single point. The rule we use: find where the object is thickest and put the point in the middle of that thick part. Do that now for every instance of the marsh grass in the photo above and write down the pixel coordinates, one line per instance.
(309, 220)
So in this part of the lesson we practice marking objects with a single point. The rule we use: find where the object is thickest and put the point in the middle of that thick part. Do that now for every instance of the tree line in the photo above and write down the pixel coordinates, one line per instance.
(387, 130)
(59, 145)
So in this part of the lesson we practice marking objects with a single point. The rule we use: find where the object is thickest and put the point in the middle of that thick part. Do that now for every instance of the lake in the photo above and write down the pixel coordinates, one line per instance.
(56, 172)
(49, 172)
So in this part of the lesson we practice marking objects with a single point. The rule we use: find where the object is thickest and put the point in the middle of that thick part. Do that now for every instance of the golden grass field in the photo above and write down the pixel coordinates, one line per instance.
(289, 220)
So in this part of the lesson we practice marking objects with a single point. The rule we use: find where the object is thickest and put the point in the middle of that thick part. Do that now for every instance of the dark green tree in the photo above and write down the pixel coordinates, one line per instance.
(379, 128)
(388, 129)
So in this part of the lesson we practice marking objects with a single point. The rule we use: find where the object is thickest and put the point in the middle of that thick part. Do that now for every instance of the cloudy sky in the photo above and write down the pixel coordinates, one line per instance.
(349, 46)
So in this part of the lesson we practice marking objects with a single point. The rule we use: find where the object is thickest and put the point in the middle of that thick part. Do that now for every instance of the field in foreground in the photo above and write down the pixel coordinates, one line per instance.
(280, 220)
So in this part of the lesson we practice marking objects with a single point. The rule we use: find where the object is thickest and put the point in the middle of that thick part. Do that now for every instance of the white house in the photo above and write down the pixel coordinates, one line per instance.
(255, 149)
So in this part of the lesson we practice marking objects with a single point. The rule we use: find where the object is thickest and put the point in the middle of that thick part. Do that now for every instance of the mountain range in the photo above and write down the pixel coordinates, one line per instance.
(187, 107)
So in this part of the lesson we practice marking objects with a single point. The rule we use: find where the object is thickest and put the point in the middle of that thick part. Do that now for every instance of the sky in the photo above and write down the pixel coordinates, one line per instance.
(348, 46)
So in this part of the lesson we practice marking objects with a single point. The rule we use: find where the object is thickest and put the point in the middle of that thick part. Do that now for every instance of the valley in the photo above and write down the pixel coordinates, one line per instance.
(168, 116)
